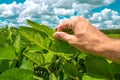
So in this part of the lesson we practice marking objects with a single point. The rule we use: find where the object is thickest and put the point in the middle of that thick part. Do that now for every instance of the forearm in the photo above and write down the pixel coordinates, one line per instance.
(111, 50)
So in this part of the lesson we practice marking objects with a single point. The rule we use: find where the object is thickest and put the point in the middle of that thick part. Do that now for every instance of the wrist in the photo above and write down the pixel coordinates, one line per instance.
(111, 49)
(111, 45)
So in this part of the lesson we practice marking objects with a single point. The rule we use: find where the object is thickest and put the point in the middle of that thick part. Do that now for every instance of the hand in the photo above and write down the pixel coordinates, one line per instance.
(86, 37)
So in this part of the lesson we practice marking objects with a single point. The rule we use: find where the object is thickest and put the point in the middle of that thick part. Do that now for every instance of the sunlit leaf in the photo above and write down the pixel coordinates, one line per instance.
(27, 64)
(86, 77)
(41, 27)
(35, 57)
(17, 74)
(7, 53)
(38, 37)
(52, 76)
(17, 43)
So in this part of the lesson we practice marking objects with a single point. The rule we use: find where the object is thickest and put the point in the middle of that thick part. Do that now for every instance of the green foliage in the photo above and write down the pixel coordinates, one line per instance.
(17, 74)
(52, 76)
(70, 69)
(98, 67)
(7, 53)
(41, 27)
(111, 31)
(31, 53)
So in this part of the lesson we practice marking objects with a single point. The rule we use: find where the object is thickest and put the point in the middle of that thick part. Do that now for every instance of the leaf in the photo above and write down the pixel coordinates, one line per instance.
(52, 76)
(41, 27)
(35, 57)
(37, 78)
(39, 38)
(2, 78)
(115, 68)
(40, 59)
(63, 47)
(86, 77)
(70, 69)
(17, 43)
(4, 32)
(7, 53)
(64, 55)
(35, 48)
(17, 74)
(117, 76)
(48, 57)
(27, 64)
(98, 67)
(4, 65)
(9, 35)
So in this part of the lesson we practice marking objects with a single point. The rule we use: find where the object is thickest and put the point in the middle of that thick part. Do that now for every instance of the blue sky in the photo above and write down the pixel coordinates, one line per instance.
(11, 1)
(101, 13)
(114, 6)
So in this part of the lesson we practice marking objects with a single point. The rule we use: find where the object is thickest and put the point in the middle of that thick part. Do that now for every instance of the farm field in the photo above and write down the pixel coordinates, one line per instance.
(31, 53)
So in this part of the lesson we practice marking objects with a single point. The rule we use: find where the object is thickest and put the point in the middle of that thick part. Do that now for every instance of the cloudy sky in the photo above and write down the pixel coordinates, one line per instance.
(101, 13)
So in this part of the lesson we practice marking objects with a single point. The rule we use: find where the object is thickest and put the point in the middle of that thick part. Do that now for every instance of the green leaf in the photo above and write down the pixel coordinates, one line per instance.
(48, 57)
(7, 53)
(41, 27)
(17, 43)
(2, 78)
(27, 64)
(40, 58)
(66, 56)
(70, 69)
(86, 77)
(35, 48)
(38, 37)
(9, 35)
(17, 74)
(35, 57)
(38, 78)
(4, 32)
(52, 76)
(115, 68)
(98, 67)
(117, 76)
(63, 47)
(4, 65)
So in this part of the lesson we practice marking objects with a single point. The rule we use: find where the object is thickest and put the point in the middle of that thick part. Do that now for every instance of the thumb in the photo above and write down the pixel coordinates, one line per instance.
(63, 36)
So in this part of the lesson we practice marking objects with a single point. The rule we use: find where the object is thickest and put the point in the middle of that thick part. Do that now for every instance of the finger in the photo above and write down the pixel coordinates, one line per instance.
(80, 25)
(64, 25)
(63, 36)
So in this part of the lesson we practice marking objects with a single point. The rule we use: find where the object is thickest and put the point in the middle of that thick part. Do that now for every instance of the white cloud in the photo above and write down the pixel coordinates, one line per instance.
(52, 12)
(107, 18)
(64, 12)
(8, 10)
(90, 4)
(7, 14)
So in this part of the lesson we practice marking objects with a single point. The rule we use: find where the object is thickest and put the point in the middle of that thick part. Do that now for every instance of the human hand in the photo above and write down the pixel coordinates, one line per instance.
(85, 36)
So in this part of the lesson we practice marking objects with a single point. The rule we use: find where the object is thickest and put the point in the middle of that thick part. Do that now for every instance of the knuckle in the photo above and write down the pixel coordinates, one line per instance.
(78, 18)
(71, 41)
(81, 35)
